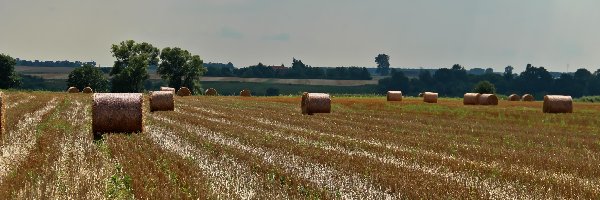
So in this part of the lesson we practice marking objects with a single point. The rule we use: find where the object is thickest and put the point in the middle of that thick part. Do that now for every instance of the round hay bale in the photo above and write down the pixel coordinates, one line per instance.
(88, 90)
(394, 95)
(558, 104)
(161, 101)
(211, 92)
(488, 99)
(430, 97)
(527, 97)
(73, 90)
(168, 89)
(421, 94)
(471, 99)
(514, 97)
(315, 103)
(184, 91)
(2, 111)
(246, 93)
(117, 112)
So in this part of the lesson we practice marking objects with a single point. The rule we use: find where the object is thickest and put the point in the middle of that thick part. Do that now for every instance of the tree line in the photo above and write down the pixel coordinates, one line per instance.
(455, 81)
(65, 63)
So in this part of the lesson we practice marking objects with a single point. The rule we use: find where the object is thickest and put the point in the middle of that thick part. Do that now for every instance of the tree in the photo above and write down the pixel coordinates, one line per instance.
(398, 81)
(88, 76)
(508, 73)
(383, 64)
(485, 87)
(130, 69)
(272, 92)
(180, 68)
(489, 71)
(8, 77)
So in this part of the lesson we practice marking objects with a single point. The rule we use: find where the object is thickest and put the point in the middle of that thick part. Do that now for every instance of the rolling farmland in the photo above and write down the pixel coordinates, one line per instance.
(263, 148)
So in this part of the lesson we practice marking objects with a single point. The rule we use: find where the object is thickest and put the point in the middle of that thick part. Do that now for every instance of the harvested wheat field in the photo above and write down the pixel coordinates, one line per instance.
(264, 148)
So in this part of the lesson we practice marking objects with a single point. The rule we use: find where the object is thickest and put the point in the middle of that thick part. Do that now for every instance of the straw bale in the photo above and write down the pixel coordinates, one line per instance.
(161, 101)
(514, 97)
(2, 112)
(73, 90)
(315, 103)
(430, 97)
(168, 89)
(527, 97)
(211, 92)
(246, 93)
(184, 91)
(394, 95)
(488, 99)
(471, 99)
(421, 94)
(88, 90)
(558, 104)
(117, 112)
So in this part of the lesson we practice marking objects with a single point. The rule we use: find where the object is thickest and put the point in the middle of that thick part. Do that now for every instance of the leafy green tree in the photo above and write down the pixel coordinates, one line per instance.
(180, 68)
(8, 77)
(272, 92)
(485, 87)
(508, 73)
(383, 64)
(398, 81)
(88, 76)
(130, 70)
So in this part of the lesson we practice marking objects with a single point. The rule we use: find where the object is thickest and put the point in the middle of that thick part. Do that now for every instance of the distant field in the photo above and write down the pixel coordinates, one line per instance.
(233, 88)
(263, 148)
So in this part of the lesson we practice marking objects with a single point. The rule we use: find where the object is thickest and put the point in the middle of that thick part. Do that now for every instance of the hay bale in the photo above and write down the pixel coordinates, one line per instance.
(558, 104)
(315, 103)
(211, 92)
(2, 111)
(527, 97)
(184, 92)
(471, 99)
(246, 93)
(421, 94)
(88, 90)
(514, 97)
(488, 99)
(430, 97)
(170, 89)
(73, 90)
(117, 112)
(394, 95)
(161, 101)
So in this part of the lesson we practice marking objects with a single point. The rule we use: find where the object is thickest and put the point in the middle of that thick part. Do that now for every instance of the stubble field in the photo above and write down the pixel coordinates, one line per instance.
(263, 148)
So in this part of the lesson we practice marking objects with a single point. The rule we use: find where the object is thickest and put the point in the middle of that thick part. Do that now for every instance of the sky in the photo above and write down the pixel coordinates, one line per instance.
(414, 33)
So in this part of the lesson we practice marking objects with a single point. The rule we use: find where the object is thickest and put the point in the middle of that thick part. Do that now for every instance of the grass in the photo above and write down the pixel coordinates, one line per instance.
(263, 148)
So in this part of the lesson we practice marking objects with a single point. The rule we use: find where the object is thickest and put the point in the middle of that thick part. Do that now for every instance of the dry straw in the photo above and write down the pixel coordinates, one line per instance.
(88, 90)
(488, 99)
(394, 95)
(514, 97)
(558, 104)
(168, 89)
(73, 90)
(246, 93)
(430, 97)
(471, 99)
(161, 101)
(211, 92)
(117, 112)
(315, 103)
(527, 97)
(2, 111)
(184, 91)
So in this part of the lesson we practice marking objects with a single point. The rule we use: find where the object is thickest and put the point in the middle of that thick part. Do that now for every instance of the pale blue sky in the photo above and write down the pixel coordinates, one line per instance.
(415, 33)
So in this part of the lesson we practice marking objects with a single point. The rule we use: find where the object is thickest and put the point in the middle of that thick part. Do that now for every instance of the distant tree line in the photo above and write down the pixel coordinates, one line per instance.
(66, 63)
(455, 81)
(298, 70)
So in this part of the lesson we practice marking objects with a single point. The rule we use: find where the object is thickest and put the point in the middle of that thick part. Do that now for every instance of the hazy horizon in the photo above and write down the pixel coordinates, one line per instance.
(427, 33)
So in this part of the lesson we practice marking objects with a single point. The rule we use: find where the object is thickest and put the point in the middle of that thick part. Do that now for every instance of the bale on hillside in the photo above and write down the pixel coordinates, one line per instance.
(117, 112)
(394, 96)
(471, 99)
(488, 99)
(2, 111)
(558, 104)
(246, 93)
(430, 97)
(514, 97)
(184, 91)
(161, 101)
(315, 103)
(527, 97)
(168, 89)
(73, 90)
(211, 92)
(88, 90)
